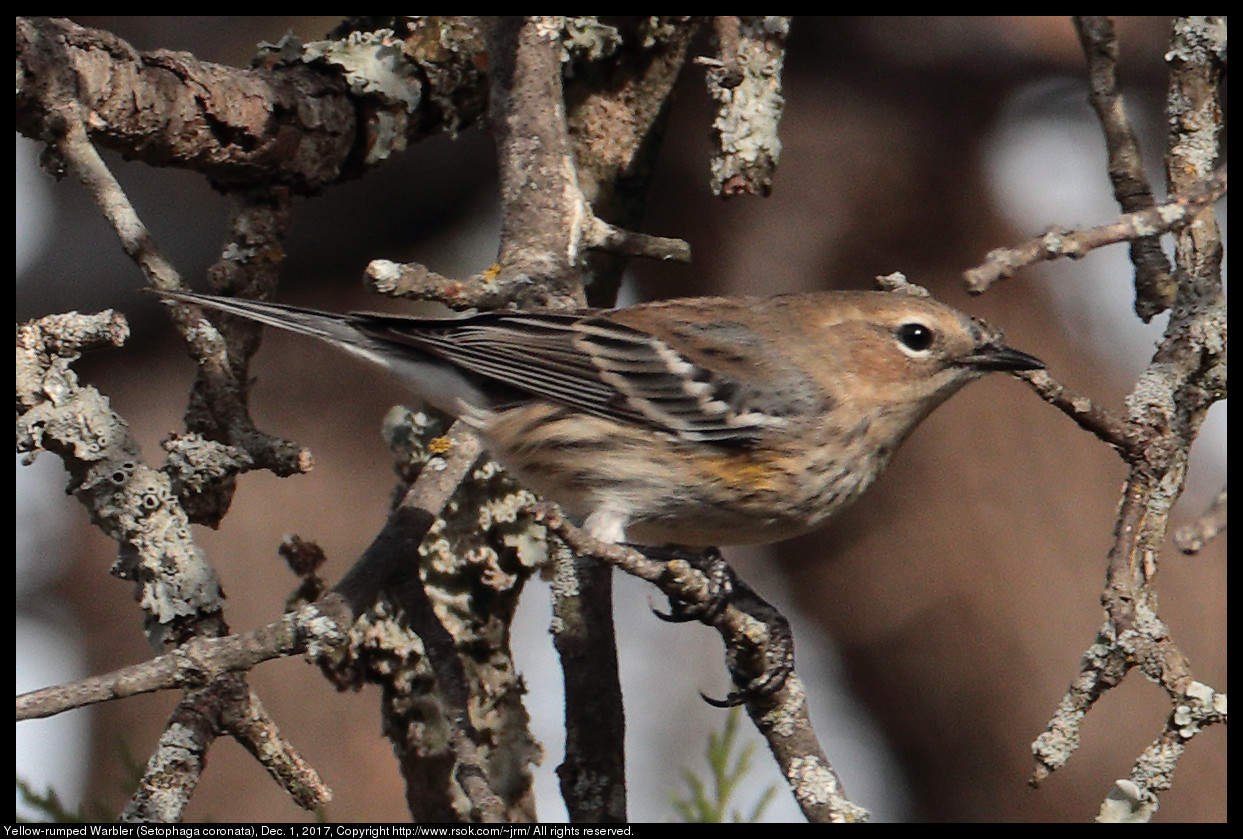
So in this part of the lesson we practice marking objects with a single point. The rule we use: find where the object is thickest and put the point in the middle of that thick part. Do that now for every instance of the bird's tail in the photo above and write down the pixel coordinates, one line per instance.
(438, 382)
(326, 326)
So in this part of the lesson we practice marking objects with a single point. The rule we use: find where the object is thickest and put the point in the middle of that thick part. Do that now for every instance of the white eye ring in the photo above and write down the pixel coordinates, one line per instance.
(916, 339)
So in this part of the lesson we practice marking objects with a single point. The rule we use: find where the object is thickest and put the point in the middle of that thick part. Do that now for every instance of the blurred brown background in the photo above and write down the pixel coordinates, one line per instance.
(948, 611)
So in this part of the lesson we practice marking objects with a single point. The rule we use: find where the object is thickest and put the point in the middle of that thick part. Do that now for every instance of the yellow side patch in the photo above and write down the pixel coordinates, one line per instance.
(747, 471)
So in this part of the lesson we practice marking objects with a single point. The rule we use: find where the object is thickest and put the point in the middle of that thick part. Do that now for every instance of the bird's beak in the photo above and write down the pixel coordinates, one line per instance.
(1001, 357)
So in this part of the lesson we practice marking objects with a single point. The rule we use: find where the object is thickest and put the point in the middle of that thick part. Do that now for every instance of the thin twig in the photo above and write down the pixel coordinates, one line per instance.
(252, 726)
(414, 281)
(197, 662)
(1192, 538)
(1105, 424)
(1175, 214)
(601, 234)
(75, 148)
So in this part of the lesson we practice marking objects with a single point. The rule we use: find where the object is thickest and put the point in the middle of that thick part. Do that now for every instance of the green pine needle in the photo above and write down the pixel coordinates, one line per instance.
(727, 771)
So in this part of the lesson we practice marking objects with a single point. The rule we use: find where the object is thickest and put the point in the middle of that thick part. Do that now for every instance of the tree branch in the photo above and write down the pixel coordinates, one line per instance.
(1106, 425)
(550, 221)
(593, 774)
(782, 717)
(218, 395)
(310, 116)
(128, 500)
(1154, 288)
(745, 85)
(1165, 411)
(1175, 214)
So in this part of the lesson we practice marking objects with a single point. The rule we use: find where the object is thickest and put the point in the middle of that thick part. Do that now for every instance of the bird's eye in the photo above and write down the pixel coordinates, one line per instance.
(915, 336)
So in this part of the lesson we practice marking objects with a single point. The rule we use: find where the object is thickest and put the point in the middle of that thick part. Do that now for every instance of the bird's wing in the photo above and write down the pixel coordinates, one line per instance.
(587, 362)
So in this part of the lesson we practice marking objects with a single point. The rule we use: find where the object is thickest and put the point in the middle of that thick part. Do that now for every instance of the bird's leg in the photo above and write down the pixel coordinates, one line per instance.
(720, 577)
(759, 670)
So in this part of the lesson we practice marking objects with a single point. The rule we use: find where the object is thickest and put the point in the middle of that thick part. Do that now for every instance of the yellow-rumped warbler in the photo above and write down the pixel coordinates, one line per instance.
(697, 422)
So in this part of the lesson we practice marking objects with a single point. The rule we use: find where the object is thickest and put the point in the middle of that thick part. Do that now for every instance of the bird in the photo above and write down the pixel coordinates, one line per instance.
(696, 422)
